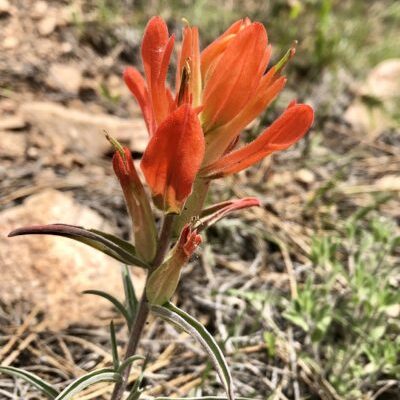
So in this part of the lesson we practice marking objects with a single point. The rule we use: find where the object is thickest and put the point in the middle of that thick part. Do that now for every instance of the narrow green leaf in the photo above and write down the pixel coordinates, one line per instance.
(176, 316)
(128, 362)
(130, 295)
(117, 304)
(137, 389)
(106, 243)
(127, 246)
(32, 379)
(101, 375)
(114, 348)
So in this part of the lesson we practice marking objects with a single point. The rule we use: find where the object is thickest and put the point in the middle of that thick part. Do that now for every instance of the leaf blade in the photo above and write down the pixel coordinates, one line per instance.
(114, 347)
(32, 379)
(130, 294)
(176, 316)
(111, 245)
(101, 375)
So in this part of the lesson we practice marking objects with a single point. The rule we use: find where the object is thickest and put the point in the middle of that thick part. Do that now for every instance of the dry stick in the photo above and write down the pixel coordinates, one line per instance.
(143, 310)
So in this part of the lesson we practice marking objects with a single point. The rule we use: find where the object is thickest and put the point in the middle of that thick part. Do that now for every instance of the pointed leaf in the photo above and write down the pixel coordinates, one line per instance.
(178, 317)
(114, 347)
(109, 244)
(137, 389)
(219, 211)
(130, 295)
(117, 304)
(32, 379)
(101, 375)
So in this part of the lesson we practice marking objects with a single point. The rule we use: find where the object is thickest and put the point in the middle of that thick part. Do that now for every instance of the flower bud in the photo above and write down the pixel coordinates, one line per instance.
(144, 229)
(164, 280)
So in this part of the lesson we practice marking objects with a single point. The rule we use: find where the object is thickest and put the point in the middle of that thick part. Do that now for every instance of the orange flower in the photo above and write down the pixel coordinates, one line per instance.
(176, 149)
(235, 91)
(173, 158)
(286, 130)
(228, 86)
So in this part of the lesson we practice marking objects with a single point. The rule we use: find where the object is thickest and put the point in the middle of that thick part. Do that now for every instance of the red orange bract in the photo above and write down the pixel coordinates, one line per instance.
(219, 91)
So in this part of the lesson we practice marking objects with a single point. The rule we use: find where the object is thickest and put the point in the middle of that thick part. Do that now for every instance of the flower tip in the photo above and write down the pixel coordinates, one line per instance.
(308, 112)
(116, 145)
(189, 240)
(185, 22)
(13, 233)
(251, 202)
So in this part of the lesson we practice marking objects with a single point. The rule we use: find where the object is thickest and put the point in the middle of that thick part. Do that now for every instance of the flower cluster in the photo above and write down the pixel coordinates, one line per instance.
(194, 131)
(219, 91)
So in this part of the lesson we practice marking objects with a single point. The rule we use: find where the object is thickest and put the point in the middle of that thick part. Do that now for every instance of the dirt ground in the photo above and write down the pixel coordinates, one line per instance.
(60, 89)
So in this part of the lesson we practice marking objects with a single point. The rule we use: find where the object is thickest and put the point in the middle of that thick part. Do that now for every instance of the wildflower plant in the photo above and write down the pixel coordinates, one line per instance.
(193, 139)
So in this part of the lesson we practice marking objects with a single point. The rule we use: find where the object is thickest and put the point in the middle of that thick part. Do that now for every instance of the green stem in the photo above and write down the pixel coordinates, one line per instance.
(193, 206)
(143, 309)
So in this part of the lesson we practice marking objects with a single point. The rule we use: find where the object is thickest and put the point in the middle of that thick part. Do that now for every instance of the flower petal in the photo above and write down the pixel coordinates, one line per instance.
(190, 53)
(235, 77)
(220, 210)
(173, 158)
(212, 52)
(285, 131)
(136, 84)
(156, 52)
(219, 140)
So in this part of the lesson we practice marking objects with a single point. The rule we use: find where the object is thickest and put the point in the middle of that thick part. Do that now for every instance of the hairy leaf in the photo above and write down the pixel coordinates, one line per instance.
(130, 295)
(114, 347)
(33, 379)
(178, 317)
(109, 244)
(101, 375)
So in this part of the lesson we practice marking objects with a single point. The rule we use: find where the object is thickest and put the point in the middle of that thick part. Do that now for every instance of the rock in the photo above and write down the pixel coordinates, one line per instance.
(47, 25)
(65, 129)
(305, 175)
(383, 81)
(64, 77)
(13, 145)
(374, 109)
(367, 119)
(5, 7)
(51, 272)
(39, 9)
(12, 122)
(10, 42)
(66, 47)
